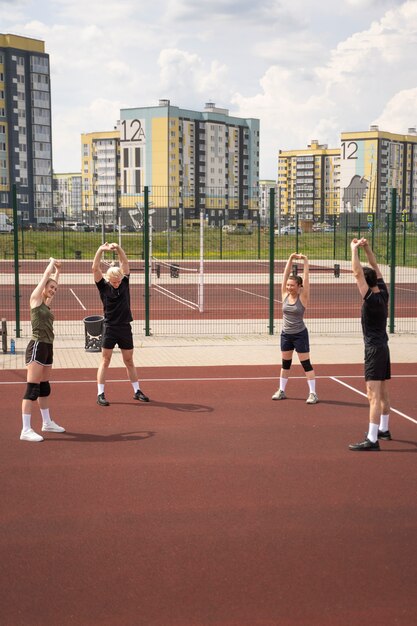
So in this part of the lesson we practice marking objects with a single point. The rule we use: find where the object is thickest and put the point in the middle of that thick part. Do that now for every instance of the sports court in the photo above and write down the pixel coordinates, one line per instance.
(212, 505)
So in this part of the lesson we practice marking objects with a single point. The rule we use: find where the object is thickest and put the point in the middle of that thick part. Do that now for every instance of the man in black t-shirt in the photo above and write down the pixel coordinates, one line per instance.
(374, 316)
(115, 296)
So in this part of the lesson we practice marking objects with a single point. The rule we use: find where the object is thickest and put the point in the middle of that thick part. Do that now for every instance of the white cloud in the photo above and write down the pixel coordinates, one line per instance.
(307, 70)
(370, 72)
(181, 72)
(400, 113)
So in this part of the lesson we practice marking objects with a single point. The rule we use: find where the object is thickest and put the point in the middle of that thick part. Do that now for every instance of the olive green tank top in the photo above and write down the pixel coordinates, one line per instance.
(42, 320)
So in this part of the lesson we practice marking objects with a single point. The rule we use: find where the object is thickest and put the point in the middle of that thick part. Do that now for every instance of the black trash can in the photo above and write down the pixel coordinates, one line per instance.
(174, 270)
(93, 326)
(77, 255)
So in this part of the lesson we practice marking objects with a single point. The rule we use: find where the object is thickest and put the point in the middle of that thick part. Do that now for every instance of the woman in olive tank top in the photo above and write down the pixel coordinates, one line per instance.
(39, 355)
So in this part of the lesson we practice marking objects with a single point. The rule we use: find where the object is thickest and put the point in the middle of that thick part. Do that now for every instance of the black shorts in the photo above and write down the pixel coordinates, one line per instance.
(120, 335)
(295, 341)
(377, 363)
(39, 352)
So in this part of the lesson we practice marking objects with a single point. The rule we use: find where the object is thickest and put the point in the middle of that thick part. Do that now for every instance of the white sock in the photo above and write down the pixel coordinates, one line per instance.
(46, 418)
(100, 389)
(312, 385)
(283, 383)
(373, 432)
(26, 421)
(135, 386)
(383, 424)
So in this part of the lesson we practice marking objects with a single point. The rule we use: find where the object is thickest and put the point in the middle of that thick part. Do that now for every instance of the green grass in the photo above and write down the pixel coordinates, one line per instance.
(217, 245)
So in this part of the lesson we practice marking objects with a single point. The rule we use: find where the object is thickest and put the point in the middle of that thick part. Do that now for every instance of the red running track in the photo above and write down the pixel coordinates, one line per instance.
(211, 505)
(243, 301)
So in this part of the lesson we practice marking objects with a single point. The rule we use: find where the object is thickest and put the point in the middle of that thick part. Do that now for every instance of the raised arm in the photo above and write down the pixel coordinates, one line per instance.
(57, 272)
(357, 267)
(52, 271)
(123, 260)
(97, 273)
(287, 272)
(363, 243)
(305, 293)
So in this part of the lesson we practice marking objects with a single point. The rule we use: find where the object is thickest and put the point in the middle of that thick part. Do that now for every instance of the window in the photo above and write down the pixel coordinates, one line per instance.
(137, 181)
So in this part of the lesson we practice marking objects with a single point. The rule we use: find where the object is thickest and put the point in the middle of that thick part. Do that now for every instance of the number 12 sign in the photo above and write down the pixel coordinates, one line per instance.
(132, 130)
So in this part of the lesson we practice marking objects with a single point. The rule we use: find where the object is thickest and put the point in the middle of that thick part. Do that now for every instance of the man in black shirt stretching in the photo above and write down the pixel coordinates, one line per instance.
(377, 357)
(115, 296)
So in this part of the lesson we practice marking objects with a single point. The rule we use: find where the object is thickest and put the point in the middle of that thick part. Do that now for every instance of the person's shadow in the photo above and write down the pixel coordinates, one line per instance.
(410, 443)
(182, 407)
(134, 435)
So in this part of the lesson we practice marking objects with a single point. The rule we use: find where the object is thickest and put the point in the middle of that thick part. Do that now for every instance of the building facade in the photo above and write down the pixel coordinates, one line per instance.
(374, 162)
(265, 187)
(67, 196)
(309, 182)
(191, 161)
(25, 129)
(100, 176)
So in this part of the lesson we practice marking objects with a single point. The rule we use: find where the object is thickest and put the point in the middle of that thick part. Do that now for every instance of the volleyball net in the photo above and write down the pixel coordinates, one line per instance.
(182, 282)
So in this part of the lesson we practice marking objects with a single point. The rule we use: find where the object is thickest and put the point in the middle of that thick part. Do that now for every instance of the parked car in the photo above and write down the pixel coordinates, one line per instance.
(322, 228)
(288, 230)
(6, 224)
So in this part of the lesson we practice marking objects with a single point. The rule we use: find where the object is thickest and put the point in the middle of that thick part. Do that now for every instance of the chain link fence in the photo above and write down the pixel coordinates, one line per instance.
(212, 269)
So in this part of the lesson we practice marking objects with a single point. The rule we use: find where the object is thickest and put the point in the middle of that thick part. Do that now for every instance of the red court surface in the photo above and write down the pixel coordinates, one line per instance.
(210, 506)
(221, 301)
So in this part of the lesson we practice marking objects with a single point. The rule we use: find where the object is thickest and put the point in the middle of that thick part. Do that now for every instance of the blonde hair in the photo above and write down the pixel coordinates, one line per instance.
(113, 272)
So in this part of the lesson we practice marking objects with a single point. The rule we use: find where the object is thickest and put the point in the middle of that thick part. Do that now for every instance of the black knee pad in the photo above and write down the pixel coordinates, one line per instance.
(286, 364)
(307, 365)
(32, 391)
(45, 389)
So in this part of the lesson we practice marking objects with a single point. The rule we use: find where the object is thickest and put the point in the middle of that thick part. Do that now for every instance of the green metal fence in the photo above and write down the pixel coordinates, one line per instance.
(218, 276)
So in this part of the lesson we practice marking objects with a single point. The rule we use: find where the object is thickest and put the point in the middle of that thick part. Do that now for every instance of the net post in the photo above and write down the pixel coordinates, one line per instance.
(146, 258)
(16, 260)
(393, 260)
(201, 268)
(271, 258)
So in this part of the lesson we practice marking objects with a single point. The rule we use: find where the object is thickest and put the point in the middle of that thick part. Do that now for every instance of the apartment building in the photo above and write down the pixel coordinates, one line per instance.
(191, 161)
(309, 182)
(67, 195)
(265, 187)
(100, 176)
(374, 162)
(25, 128)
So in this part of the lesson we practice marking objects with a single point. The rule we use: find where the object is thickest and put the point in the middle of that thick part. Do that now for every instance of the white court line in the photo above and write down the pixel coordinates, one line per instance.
(405, 289)
(79, 301)
(407, 417)
(208, 379)
(175, 297)
(255, 294)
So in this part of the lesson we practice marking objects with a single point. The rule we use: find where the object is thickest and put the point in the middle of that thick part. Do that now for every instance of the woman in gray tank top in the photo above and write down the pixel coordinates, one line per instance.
(295, 291)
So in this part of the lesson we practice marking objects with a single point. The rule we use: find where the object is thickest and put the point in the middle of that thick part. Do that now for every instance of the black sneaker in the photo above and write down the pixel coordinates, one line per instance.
(367, 444)
(101, 400)
(139, 395)
(385, 435)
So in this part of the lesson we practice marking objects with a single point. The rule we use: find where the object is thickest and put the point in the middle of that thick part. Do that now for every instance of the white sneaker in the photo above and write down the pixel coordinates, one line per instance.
(279, 395)
(312, 398)
(51, 427)
(30, 435)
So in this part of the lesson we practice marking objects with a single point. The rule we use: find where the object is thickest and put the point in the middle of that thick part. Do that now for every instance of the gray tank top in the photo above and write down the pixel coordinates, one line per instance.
(292, 316)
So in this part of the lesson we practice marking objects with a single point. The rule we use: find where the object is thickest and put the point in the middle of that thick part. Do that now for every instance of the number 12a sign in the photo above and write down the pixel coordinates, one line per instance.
(132, 130)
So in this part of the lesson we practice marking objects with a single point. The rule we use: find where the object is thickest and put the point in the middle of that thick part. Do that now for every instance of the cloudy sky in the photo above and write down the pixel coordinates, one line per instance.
(307, 70)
